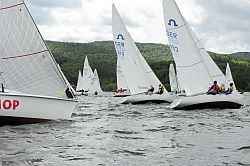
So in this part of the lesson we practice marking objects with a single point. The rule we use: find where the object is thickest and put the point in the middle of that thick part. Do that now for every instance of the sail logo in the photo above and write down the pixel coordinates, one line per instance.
(9, 104)
(120, 36)
(120, 49)
(172, 21)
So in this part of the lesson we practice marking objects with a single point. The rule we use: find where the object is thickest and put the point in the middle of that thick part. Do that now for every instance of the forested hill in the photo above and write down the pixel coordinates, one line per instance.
(102, 56)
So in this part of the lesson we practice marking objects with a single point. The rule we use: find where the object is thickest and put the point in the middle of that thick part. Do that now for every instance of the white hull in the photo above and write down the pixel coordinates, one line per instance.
(154, 98)
(122, 94)
(232, 101)
(25, 109)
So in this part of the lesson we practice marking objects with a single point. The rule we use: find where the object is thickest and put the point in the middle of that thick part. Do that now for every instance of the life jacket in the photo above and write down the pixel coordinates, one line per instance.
(215, 87)
(223, 88)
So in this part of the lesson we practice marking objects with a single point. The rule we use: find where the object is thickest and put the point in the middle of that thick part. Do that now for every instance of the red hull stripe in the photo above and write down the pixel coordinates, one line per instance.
(20, 56)
(11, 6)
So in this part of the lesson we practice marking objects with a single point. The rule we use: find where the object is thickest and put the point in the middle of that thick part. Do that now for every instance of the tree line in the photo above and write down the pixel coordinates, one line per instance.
(102, 56)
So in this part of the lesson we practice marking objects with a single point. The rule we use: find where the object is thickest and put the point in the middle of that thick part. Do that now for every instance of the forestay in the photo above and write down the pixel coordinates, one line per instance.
(196, 69)
(27, 64)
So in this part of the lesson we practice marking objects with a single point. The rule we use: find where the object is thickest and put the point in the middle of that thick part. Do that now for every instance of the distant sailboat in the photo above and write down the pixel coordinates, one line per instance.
(34, 88)
(88, 82)
(95, 84)
(138, 75)
(196, 69)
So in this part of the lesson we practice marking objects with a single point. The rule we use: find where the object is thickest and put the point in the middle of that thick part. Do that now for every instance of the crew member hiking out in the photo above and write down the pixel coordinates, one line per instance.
(214, 89)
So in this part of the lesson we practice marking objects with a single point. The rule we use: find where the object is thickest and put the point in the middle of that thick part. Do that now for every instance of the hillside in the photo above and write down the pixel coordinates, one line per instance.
(102, 56)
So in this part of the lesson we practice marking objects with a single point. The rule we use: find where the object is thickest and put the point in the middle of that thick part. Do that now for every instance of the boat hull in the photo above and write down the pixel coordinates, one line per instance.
(221, 101)
(16, 109)
(153, 98)
(122, 94)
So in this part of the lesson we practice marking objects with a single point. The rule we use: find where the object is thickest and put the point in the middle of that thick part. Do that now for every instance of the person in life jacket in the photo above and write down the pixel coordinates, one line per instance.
(214, 89)
(161, 89)
(230, 89)
(223, 88)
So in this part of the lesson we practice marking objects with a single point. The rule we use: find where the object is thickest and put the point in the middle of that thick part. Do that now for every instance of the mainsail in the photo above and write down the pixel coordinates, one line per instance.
(27, 64)
(173, 79)
(95, 83)
(87, 75)
(79, 86)
(196, 69)
(137, 73)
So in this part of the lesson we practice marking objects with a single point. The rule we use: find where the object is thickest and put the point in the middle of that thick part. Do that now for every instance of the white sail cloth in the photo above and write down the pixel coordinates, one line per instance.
(27, 64)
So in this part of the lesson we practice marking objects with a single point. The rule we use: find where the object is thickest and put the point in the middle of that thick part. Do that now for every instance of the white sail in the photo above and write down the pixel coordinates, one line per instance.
(27, 64)
(95, 83)
(121, 81)
(79, 82)
(230, 77)
(173, 79)
(87, 75)
(139, 76)
(196, 69)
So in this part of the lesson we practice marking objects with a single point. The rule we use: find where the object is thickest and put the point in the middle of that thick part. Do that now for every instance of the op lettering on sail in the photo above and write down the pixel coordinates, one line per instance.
(173, 38)
(120, 47)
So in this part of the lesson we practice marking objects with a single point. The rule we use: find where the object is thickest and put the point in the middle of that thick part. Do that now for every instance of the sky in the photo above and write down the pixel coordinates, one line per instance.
(222, 25)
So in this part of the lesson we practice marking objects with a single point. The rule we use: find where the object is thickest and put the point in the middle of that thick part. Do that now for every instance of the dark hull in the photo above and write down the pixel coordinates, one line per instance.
(209, 105)
(8, 120)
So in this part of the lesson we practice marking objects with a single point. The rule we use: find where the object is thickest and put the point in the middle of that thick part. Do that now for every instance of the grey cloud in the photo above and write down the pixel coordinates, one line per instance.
(56, 3)
(131, 22)
(228, 20)
(42, 16)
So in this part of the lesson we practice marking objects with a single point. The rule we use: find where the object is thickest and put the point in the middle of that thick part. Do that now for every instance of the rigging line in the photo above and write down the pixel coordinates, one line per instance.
(20, 56)
(8, 7)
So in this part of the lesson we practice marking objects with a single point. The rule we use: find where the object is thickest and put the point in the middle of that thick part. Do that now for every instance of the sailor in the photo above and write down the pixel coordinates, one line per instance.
(69, 93)
(223, 88)
(214, 89)
(161, 89)
(230, 89)
(150, 90)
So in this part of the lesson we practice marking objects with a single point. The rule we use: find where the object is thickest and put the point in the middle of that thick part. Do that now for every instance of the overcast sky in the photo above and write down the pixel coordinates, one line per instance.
(223, 25)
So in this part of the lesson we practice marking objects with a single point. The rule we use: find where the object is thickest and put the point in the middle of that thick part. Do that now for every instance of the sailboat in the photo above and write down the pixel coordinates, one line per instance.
(79, 85)
(137, 73)
(33, 88)
(88, 82)
(95, 84)
(196, 69)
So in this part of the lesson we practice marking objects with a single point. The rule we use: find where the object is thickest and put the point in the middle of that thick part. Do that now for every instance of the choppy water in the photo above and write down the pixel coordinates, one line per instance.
(104, 132)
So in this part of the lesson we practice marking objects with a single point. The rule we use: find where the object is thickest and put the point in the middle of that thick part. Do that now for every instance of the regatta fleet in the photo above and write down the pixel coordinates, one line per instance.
(34, 88)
